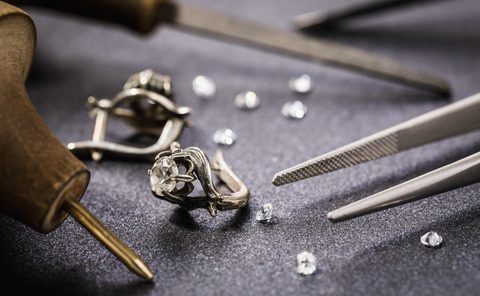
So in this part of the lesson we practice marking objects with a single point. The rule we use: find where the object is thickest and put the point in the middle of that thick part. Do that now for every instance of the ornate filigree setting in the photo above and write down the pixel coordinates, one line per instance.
(174, 172)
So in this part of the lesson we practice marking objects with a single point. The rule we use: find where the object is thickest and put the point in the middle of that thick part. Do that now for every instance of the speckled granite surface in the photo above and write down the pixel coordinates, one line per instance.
(193, 254)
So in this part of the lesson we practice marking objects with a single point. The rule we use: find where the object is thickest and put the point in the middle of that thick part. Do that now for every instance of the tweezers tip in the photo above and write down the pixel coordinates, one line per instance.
(332, 216)
(279, 179)
(275, 180)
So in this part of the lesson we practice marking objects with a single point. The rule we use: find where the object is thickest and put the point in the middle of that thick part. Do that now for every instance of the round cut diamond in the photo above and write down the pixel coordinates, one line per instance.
(148, 79)
(264, 215)
(301, 85)
(306, 263)
(295, 110)
(247, 100)
(161, 173)
(204, 87)
(224, 136)
(431, 239)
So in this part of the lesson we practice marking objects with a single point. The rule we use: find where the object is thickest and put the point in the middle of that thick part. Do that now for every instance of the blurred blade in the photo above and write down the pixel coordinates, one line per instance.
(459, 117)
(323, 18)
(216, 24)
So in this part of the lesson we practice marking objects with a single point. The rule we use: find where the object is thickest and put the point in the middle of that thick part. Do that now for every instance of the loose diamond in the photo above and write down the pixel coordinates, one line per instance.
(431, 239)
(306, 263)
(224, 136)
(204, 87)
(301, 85)
(264, 215)
(295, 110)
(247, 100)
(160, 175)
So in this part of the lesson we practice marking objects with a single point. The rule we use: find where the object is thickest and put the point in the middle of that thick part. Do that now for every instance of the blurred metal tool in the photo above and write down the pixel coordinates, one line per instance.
(325, 18)
(143, 15)
(454, 119)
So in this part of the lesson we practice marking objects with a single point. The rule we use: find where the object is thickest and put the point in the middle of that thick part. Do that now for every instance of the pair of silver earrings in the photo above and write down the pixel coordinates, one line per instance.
(146, 104)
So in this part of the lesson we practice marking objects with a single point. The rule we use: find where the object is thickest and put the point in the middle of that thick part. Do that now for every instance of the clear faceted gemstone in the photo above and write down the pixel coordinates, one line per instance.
(294, 109)
(264, 215)
(224, 136)
(306, 263)
(247, 100)
(204, 87)
(161, 173)
(148, 79)
(301, 85)
(431, 239)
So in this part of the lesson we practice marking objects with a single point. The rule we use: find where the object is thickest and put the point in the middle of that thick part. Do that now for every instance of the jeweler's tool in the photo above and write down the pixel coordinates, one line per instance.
(455, 175)
(143, 15)
(324, 18)
(40, 180)
(454, 119)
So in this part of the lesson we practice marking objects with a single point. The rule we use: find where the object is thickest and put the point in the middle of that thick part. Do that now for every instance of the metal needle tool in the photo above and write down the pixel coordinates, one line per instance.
(454, 119)
(144, 15)
(108, 239)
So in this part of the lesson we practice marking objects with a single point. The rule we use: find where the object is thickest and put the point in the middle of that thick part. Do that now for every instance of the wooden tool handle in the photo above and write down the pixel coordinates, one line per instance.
(140, 15)
(36, 171)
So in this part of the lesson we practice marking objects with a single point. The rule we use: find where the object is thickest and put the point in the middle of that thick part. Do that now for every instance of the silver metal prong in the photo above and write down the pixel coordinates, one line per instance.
(99, 132)
(455, 175)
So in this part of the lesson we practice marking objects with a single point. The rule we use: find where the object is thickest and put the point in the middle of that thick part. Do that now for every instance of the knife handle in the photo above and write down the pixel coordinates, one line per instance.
(139, 15)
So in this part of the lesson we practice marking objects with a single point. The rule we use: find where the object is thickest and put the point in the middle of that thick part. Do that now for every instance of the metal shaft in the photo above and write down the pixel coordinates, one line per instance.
(324, 18)
(99, 132)
(455, 175)
(218, 25)
(108, 239)
(143, 15)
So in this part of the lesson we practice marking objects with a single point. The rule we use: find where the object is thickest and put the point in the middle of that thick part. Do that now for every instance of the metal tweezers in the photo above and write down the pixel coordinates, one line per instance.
(454, 119)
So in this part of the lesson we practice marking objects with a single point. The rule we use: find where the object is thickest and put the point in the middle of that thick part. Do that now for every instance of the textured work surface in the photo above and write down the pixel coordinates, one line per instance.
(194, 254)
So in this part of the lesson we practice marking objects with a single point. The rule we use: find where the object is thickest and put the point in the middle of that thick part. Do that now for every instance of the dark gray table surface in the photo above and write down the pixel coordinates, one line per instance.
(193, 254)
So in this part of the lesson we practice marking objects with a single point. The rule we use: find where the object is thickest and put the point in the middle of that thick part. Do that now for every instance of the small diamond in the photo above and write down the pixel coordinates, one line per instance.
(224, 136)
(301, 85)
(431, 239)
(264, 215)
(204, 87)
(247, 100)
(295, 109)
(160, 175)
(149, 80)
(306, 263)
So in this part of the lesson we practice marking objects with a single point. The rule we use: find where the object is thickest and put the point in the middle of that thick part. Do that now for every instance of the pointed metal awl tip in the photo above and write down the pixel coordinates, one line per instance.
(108, 239)
(143, 270)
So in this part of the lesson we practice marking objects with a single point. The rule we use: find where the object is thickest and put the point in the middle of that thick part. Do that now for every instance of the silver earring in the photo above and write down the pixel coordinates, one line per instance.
(146, 104)
(168, 183)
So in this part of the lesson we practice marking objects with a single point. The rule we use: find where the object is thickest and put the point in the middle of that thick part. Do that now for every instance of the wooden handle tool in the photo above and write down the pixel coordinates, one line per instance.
(144, 15)
(40, 180)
